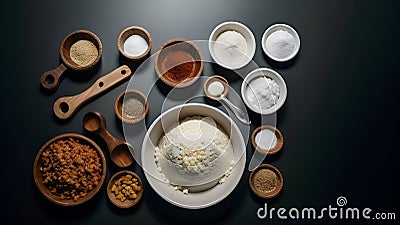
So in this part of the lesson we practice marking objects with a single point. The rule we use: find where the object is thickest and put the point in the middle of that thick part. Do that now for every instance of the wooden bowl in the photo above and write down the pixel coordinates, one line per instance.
(213, 79)
(279, 140)
(127, 203)
(120, 101)
(274, 191)
(37, 174)
(70, 40)
(177, 45)
(134, 30)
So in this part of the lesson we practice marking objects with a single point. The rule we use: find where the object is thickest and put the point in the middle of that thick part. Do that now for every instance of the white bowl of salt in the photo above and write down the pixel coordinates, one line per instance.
(264, 91)
(280, 42)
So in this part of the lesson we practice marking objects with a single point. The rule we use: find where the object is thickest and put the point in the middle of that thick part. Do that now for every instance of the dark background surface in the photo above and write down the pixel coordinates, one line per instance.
(340, 121)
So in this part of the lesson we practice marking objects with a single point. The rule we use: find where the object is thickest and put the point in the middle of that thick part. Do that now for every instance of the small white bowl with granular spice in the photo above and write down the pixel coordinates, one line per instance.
(266, 181)
(264, 91)
(280, 42)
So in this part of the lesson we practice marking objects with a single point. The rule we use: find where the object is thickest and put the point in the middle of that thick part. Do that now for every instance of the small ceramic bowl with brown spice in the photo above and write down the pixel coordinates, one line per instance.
(179, 63)
(131, 106)
(266, 181)
(134, 43)
(125, 189)
(267, 139)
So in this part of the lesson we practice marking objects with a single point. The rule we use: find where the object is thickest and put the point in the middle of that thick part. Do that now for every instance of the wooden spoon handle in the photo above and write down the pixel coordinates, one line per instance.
(95, 122)
(64, 107)
(51, 79)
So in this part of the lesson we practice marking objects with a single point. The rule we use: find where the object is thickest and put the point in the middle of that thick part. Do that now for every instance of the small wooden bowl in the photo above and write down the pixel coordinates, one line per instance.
(51, 79)
(212, 79)
(134, 30)
(37, 174)
(274, 191)
(127, 203)
(279, 140)
(120, 101)
(70, 40)
(178, 44)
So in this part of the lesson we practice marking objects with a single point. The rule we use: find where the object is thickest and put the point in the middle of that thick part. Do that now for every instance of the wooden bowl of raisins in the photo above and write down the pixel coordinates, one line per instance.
(125, 189)
(69, 169)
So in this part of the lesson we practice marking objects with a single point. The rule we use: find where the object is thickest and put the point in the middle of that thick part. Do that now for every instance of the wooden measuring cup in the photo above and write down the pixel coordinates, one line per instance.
(64, 107)
(51, 79)
(119, 150)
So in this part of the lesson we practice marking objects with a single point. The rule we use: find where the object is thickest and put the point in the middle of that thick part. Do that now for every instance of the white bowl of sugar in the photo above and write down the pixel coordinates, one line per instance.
(264, 91)
(280, 42)
(232, 45)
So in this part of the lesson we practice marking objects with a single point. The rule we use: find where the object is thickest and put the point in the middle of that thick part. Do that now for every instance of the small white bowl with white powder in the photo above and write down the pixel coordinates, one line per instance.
(280, 42)
(264, 91)
(232, 45)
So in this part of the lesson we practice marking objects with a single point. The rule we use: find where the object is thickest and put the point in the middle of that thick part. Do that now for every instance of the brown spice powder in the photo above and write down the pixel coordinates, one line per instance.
(265, 180)
(83, 53)
(179, 65)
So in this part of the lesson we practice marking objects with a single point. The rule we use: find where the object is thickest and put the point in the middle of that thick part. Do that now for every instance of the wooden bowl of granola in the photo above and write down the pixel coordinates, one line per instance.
(125, 189)
(61, 169)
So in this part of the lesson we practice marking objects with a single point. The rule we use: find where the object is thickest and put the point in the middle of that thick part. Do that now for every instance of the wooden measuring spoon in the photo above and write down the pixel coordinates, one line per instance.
(64, 107)
(51, 79)
(119, 150)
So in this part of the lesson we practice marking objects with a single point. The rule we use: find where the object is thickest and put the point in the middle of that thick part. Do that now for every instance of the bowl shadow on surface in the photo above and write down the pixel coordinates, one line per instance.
(260, 201)
(178, 93)
(66, 213)
(171, 214)
(139, 125)
(132, 64)
(229, 75)
(281, 65)
(272, 119)
(83, 76)
(60, 121)
(211, 102)
(74, 75)
(126, 211)
(268, 158)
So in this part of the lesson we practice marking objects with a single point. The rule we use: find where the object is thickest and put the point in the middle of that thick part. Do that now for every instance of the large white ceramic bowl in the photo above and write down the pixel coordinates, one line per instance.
(244, 31)
(268, 73)
(156, 180)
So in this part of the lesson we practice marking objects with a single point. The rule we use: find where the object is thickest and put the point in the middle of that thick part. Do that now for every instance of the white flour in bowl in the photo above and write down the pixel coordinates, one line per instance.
(194, 152)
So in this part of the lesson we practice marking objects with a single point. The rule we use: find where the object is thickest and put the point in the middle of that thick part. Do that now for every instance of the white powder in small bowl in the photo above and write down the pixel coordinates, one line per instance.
(263, 93)
(135, 45)
(280, 44)
(265, 139)
(216, 88)
(231, 48)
